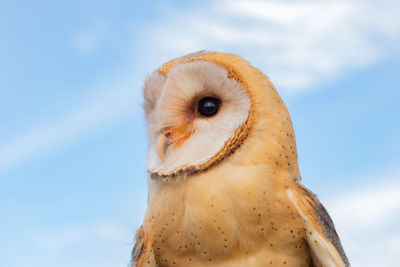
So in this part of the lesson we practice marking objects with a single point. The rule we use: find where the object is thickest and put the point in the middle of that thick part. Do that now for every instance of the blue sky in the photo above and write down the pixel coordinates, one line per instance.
(72, 133)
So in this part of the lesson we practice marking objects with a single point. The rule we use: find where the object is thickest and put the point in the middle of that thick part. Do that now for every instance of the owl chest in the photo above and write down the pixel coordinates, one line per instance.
(228, 230)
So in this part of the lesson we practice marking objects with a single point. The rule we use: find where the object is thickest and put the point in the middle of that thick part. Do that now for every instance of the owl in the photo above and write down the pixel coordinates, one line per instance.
(223, 178)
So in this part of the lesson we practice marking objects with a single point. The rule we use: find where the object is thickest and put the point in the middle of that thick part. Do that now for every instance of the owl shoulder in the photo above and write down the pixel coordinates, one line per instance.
(321, 236)
(142, 253)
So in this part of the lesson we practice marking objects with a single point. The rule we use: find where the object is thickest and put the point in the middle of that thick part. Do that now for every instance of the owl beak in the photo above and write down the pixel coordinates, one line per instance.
(169, 136)
(162, 144)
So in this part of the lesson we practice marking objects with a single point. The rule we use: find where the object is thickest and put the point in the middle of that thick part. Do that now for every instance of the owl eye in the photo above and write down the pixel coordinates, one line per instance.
(208, 106)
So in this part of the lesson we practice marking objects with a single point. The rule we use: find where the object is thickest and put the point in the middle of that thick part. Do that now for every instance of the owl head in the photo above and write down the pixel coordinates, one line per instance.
(207, 108)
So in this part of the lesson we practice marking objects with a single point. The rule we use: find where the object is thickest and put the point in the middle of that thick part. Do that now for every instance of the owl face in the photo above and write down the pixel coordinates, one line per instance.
(195, 117)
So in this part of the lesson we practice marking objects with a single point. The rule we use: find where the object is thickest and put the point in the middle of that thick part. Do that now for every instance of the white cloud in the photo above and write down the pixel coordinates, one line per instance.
(72, 235)
(100, 109)
(89, 40)
(297, 43)
(367, 221)
(100, 243)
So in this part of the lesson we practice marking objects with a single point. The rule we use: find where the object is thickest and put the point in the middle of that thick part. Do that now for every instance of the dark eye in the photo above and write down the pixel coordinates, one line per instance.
(208, 106)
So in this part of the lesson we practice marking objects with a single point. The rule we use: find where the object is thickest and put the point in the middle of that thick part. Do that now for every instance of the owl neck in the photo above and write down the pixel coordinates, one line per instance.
(216, 210)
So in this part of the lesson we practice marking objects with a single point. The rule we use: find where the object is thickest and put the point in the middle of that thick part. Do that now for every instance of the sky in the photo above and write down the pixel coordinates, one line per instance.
(72, 131)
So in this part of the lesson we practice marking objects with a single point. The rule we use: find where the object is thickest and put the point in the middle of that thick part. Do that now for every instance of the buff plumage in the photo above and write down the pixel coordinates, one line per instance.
(225, 191)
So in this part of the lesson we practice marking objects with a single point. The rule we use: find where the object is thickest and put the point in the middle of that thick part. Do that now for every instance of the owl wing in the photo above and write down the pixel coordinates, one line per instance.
(321, 236)
(142, 253)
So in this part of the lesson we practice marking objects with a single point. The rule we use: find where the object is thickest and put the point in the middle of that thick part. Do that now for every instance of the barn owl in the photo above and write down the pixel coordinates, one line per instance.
(223, 179)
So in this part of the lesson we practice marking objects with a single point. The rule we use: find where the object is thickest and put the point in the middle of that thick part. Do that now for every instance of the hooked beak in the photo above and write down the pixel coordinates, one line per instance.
(162, 144)
(168, 136)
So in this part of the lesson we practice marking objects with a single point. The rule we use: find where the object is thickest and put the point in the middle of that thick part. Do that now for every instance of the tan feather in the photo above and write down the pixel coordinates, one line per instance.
(243, 205)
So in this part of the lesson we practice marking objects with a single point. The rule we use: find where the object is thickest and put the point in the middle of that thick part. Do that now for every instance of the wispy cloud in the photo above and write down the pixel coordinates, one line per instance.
(367, 221)
(99, 243)
(89, 39)
(298, 43)
(101, 108)
(61, 238)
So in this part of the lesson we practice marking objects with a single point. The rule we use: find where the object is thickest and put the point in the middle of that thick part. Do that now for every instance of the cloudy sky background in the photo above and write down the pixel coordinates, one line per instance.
(72, 133)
